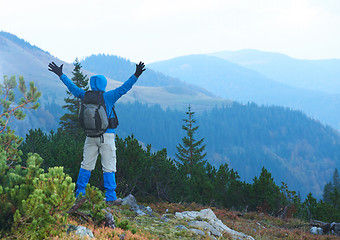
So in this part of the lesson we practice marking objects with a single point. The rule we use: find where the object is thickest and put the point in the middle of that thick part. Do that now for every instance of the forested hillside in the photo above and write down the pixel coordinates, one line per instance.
(295, 148)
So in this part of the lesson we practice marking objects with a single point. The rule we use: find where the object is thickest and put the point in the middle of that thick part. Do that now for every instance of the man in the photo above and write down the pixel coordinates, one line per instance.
(95, 145)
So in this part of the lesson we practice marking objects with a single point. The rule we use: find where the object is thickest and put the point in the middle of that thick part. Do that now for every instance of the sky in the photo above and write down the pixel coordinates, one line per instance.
(155, 30)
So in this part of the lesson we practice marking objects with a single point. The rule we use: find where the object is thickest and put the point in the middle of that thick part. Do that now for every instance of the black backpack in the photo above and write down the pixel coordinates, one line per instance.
(93, 117)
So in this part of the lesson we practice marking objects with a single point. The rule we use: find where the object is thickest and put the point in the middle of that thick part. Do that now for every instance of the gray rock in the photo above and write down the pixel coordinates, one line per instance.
(139, 212)
(109, 221)
(165, 218)
(316, 230)
(131, 201)
(80, 231)
(206, 226)
(335, 228)
(149, 210)
(197, 231)
(209, 216)
(181, 227)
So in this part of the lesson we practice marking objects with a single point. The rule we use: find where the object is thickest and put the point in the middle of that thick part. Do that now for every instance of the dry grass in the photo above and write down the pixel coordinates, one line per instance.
(258, 225)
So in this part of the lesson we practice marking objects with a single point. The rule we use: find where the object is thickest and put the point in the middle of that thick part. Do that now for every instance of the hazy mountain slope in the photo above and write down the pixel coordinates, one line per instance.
(116, 68)
(238, 83)
(293, 147)
(320, 75)
(18, 57)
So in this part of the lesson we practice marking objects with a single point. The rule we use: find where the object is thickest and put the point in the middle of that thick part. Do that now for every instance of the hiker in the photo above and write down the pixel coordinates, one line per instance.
(105, 145)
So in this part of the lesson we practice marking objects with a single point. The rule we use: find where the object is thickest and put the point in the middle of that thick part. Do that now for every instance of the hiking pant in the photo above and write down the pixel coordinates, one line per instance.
(107, 150)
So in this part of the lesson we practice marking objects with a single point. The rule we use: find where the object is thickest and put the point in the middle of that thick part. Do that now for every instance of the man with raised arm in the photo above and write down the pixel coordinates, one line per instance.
(94, 145)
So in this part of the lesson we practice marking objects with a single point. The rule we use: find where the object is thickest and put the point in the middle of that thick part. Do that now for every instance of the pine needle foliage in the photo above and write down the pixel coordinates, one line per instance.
(34, 203)
(11, 108)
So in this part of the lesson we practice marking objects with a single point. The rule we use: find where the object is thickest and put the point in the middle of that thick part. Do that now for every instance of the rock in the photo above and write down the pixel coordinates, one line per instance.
(81, 231)
(131, 201)
(148, 210)
(109, 221)
(140, 210)
(209, 216)
(316, 230)
(181, 227)
(206, 226)
(197, 231)
(326, 228)
(335, 228)
(165, 218)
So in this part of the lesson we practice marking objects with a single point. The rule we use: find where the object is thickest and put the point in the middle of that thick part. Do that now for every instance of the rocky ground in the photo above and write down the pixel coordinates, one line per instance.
(191, 221)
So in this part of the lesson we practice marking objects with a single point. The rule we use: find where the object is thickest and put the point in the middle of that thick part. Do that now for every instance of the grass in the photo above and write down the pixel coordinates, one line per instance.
(163, 224)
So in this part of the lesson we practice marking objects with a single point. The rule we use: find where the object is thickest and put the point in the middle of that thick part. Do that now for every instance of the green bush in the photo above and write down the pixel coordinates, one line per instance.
(94, 204)
(34, 203)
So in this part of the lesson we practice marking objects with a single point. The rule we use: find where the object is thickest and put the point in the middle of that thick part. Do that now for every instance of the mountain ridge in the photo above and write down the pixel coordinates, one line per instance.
(320, 75)
(247, 85)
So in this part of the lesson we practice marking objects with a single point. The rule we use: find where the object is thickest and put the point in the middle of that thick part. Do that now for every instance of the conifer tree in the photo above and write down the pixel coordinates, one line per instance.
(331, 187)
(191, 164)
(69, 121)
(9, 142)
(336, 179)
(190, 151)
(267, 196)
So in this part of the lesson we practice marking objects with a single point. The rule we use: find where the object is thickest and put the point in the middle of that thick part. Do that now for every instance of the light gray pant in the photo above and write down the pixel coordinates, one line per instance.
(107, 151)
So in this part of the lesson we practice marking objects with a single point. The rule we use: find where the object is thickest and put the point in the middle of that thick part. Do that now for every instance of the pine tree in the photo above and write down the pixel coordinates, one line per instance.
(310, 205)
(190, 152)
(327, 192)
(191, 164)
(7, 101)
(336, 180)
(69, 121)
(9, 142)
(331, 187)
(267, 196)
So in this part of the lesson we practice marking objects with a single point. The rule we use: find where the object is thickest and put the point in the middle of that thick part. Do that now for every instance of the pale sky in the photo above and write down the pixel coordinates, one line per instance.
(153, 30)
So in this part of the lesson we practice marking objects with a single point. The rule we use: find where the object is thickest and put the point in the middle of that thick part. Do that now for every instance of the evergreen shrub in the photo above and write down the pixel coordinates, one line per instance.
(34, 203)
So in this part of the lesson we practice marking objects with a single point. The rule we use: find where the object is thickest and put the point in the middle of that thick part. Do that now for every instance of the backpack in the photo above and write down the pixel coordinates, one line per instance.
(93, 117)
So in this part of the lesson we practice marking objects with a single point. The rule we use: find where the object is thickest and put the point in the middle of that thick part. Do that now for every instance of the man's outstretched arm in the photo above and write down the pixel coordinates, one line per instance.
(140, 68)
(74, 89)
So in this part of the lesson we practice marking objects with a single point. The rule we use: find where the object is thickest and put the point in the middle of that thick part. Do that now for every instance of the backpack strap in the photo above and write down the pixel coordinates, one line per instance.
(113, 124)
(114, 112)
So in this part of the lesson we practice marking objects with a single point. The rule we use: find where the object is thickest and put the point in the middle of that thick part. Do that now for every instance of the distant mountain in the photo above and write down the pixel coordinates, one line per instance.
(116, 67)
(233, 81)
(18, 57)
(319, 75)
